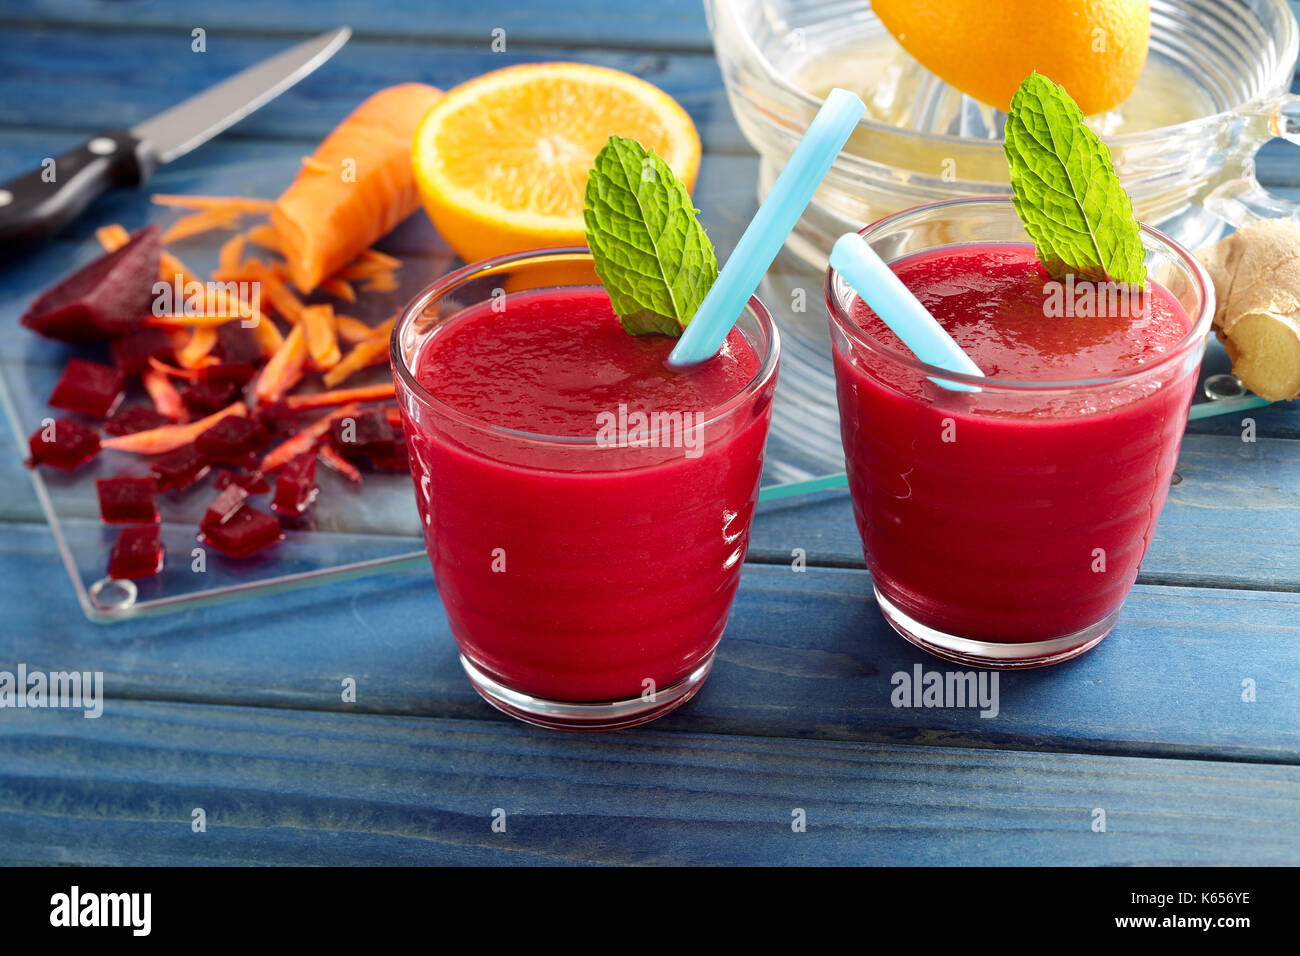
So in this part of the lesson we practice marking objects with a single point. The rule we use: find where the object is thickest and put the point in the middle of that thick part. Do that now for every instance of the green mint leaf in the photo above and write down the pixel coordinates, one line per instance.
(1066, 191)
(650, 251)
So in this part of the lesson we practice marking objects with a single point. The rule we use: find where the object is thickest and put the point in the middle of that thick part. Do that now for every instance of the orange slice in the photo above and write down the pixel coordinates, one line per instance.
(501, 161)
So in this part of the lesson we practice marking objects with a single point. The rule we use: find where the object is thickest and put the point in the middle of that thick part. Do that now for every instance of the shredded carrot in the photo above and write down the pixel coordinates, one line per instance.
(268, 336)
(383, 258)
(363, 270)
(202, 341)
(351, 330)
(241, 203)
(278, 294)
(172, 321)
(305, 440)
(197, 223)
(284, 369)
(322, 342)
(340, 289)
(191, 374)
(165, 397)
(155, 441)
(112, 237)
(364, 354)
(394, 415)
(232, 253)
(383, 282)
(264, 236)
(329, 454)
(368, 393)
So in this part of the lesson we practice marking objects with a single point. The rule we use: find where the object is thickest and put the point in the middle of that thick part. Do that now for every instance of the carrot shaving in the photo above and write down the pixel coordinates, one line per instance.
(112, 237)
(382, 282)
(278, 294)
(155, 441)
(383, 258)
(363, 270)
(198, 223)
(264, 236)
(190, 374)
(268, 336)
(240, 203)
(284, 369)
(368, 393)
(340, 289)
(394, 415)
(171, 321)
(351, 330)
(164, 395)
(329, 454)
(232, 253)
(364, 354)
(322, 343)
(304, 440)
(194, 353)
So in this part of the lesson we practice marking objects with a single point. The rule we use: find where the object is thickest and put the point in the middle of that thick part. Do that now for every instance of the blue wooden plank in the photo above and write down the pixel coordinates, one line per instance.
(675, 24)
(297, 787)
(805, 655)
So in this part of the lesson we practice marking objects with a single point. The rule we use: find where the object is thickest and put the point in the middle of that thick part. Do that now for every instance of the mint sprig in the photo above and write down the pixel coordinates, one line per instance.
(650, 251)
(1066, 191)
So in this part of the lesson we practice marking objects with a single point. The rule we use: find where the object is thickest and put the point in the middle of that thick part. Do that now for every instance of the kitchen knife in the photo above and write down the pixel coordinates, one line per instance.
(40, 203)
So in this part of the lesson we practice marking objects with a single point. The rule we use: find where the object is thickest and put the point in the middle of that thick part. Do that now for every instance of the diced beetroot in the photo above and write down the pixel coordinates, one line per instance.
(225, 505)
(126, 500)
(63, 443)
(89, 388)
(132, 352)
(238, 345)
(278, 419)
(130, 419)
(295, 485)
(244, 533)
(395, 458)
(254, 483)
(179, 468)
(235, 440)
(137, 554)
(364, 435)
(103, 299)
(207, 396)
(241, 373)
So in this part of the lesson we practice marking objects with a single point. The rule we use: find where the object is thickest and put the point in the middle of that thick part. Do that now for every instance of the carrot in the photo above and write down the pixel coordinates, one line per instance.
(165, 397)
(368, 393)
(172, 321)
(155, 441)
(382, 282)
(192, 374)
(364, 354)
(357, 187)
(202, 341)
(361, 269)
(322, 342)
(238, 203)
(197, 223)
(112, 237)
(351, 330)
(266, 237)
(232, 253)
(278, 294)
(304, 440)
(329, 454)
(394, 415)
(340, 289)
(283, 370)
(268, 336)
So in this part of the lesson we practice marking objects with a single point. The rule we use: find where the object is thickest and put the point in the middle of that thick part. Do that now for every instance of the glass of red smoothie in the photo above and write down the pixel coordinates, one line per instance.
(1003, 523)
(586, 510)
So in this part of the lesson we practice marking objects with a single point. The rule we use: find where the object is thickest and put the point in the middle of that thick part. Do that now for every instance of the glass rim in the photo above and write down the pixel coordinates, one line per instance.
(413, 309)
(1196, 334)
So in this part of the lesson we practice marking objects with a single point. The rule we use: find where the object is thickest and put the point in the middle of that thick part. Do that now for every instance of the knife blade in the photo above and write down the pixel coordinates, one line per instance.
(39, 203)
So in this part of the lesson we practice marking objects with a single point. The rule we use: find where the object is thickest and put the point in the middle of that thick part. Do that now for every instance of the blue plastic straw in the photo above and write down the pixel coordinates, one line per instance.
(853, 258)
(767, 233)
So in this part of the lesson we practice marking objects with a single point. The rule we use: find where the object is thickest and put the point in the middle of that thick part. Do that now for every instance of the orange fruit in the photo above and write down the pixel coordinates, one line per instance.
(1094, 48)
(501, 162)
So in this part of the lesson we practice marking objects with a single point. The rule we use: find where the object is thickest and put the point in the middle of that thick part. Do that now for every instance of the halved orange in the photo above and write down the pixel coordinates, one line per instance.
(501, 161)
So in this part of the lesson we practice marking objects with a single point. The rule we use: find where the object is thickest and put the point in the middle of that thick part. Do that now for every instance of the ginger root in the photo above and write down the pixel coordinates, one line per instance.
(1256, 273)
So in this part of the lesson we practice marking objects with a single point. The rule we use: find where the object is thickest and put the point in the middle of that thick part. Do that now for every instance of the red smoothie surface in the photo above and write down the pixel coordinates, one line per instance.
(1004, 516)
(573, 571)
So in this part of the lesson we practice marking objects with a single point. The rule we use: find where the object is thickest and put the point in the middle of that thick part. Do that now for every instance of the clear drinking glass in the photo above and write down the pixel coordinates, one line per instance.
(618, 565)
(983, 513)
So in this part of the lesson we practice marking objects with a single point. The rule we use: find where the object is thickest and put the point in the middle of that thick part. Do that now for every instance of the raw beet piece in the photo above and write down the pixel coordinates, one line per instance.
(137, 554)
(208, 396)
(395, 458)
(364, 435)
(238, 345)
(103, 299)
(241, 373)
(254, 483)
(224, 506)
(126, 500)
(245, 532)
(89, 388)
(130, 419)
(278, 419)
(179, 468)
(63, 443)
(132, 352)
(295, 486)
(235, 440)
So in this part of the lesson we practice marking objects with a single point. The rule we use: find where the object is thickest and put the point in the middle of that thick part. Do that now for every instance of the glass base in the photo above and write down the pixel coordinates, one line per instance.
(568, 715)
(989, 654)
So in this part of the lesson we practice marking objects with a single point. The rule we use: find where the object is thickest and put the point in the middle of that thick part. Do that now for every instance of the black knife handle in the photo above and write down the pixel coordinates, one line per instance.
(38, 204)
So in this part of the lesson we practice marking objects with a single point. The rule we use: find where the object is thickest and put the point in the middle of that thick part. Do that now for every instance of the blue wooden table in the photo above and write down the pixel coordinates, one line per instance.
(237, 709)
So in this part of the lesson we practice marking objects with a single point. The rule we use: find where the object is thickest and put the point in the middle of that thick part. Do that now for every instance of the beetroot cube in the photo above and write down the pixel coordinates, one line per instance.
(235, 440)
(241, 373)
(225, 505)
(364, 435)
(130, 419)
(137, 554)
(243, 533)
(179, 468)
(63, 443)
(126, 500)
(132, 352)
(395, 458)
(238, 345)
(89, 388)
(278, 419)
(207, 396)
(295, 485)
(254, 483)
(106, 298)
